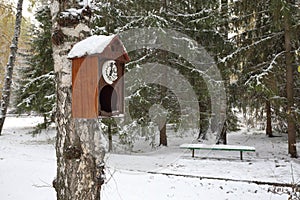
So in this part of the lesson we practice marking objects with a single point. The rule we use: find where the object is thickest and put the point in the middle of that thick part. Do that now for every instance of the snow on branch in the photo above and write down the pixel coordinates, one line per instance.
(257, 78)
(129, 25)
(239, 50)
(49, 76)
(201, 12)
(151, 18)
(86, 3)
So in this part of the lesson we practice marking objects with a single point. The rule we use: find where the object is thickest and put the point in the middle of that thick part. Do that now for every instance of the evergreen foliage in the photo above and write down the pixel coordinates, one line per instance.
(36, 86)
(259, 58)
(198, 20)
(246, 39)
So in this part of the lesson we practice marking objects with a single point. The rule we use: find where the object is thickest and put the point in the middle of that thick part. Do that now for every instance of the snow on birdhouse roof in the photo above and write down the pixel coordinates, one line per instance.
(92, 45)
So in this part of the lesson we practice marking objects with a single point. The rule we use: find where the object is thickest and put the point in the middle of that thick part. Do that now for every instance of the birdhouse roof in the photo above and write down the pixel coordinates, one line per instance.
(95, 44)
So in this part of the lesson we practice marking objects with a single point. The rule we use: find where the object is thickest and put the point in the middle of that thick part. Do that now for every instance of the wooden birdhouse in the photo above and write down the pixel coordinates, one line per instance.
(97, 77)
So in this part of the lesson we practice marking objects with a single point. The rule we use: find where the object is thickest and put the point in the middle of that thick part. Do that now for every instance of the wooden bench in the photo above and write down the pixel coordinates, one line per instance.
(217, 147)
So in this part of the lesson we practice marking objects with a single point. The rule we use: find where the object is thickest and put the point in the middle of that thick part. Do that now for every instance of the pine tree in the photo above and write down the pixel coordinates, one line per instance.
(114, 17)
(263, 38)
(177, 15)
(36, 91)
(255, 48)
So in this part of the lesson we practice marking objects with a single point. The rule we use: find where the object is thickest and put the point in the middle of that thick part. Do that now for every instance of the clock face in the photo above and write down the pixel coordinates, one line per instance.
(110, 71)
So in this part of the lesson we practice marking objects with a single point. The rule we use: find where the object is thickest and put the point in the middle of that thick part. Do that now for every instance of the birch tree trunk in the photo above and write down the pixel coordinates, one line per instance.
(6, 91)
(79, 145)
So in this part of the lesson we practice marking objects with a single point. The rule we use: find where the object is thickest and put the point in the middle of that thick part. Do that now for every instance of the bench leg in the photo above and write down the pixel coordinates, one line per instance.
(193, 153)
(241, 154)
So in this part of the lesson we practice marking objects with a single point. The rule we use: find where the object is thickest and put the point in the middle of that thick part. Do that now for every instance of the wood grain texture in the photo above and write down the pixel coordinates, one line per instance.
(85, 87)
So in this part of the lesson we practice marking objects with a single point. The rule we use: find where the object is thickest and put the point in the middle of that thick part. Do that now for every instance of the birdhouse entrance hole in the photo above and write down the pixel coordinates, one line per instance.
(108, 99)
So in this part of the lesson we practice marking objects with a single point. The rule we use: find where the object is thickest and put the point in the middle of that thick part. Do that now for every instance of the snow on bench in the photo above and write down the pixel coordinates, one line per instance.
(217, 147)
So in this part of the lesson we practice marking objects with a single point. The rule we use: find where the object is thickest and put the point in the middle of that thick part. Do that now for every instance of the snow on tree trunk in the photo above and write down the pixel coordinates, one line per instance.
(80, 144)
(6, 91)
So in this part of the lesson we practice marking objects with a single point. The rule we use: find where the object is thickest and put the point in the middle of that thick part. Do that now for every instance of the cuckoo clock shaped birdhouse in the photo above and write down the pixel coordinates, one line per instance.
(97, 77)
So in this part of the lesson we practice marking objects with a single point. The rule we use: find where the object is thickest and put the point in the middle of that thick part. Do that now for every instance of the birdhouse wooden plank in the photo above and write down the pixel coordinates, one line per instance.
(85, 87)
(98, 66)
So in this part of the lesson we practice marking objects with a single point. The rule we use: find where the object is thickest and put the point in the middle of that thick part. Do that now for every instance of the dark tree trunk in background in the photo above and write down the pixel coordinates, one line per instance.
(223, 135)
(163, 135)
(269, 118)
(6, 91)
(222, 139)
(289, 84)
(163, 93)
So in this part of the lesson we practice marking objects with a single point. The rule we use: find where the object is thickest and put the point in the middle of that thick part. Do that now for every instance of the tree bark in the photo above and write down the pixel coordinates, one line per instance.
(163, 93)
(6, 91)
(163, 135)
(269, 117)
(80, 144)
(109, 138)
(223, 135)
(289, 86)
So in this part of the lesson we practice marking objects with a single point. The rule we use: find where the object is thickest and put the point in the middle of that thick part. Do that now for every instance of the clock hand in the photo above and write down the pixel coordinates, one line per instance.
(111, 69)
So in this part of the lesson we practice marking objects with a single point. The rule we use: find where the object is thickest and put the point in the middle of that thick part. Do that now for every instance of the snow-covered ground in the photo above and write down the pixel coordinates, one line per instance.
(28, 166)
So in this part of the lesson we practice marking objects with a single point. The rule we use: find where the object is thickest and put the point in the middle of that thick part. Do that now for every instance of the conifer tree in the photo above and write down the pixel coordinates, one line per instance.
(36, 91)
(267, 39)
(176, 15)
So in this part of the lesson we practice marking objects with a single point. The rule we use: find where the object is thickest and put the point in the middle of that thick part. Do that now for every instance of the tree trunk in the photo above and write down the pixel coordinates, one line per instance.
(289, 86)
(6, 91)
(163, 135)
(163, 93)
(80, 144)
(223, 135)
(269, 117)
(109, 137)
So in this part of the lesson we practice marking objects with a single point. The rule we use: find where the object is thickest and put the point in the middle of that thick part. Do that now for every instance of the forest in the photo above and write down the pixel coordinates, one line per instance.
(205, 67)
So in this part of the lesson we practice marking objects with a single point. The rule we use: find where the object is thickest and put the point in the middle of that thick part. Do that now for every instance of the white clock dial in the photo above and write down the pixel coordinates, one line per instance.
(110, 71)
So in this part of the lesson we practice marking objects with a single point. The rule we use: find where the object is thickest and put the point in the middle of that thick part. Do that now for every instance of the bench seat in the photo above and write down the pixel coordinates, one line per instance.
(217, 147)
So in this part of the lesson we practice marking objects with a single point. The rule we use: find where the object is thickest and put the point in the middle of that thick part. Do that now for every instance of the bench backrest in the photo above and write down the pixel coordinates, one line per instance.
(217, 147)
